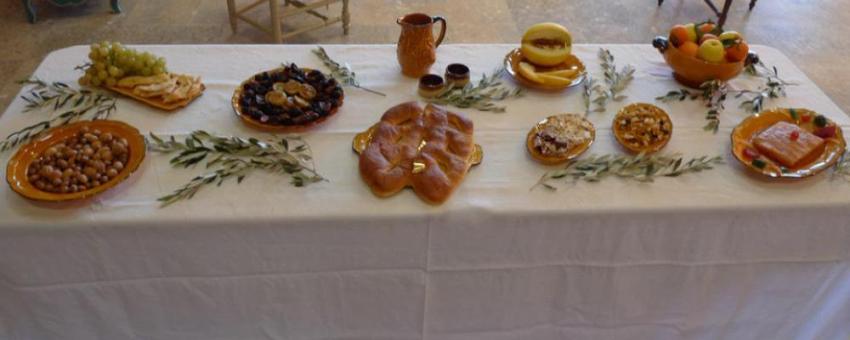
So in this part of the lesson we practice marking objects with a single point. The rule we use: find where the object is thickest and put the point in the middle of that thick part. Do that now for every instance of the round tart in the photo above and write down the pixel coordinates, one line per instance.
(76, 161)
(287, 99)
(788, 143)
(560, 138)
(642, 128)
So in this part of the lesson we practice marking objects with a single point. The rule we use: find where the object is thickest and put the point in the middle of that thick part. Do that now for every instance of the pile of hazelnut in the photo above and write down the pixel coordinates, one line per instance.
(84, 161)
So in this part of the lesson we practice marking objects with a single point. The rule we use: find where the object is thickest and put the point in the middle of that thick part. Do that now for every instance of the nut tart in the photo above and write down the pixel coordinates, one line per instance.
(642, 128)
(429, 149)
(566, 74)
(560, 138)
(788, 143)
(166, 91)
(76, 161)
(287, 99)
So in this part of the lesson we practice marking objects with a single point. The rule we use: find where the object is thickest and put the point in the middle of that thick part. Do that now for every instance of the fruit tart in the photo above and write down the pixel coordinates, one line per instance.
(560, 138)
(139, 75)
(287, 99)
(429, 149)
(788, 143)
(642, 128)
(544, 60)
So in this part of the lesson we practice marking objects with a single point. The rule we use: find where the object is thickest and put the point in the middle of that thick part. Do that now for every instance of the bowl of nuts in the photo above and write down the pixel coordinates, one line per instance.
(76, 161)
(287, 99)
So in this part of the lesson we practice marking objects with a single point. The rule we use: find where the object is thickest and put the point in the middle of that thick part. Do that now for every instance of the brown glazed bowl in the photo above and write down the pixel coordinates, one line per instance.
(693, 72)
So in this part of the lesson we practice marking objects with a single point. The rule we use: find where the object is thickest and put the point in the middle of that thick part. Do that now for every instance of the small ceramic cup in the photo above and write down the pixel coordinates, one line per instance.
(457, 75)
(431, 85)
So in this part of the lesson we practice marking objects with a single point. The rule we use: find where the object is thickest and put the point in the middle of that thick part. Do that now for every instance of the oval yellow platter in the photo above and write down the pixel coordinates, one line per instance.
(646, 111)
(513, 59)
(237, 108)
(361, 141)
(573, 152)
(744, 150)
(16, 170)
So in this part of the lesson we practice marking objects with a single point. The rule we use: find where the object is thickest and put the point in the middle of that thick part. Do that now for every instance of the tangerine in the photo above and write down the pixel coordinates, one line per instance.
(678, 35)
(689, 48)
(737, 52)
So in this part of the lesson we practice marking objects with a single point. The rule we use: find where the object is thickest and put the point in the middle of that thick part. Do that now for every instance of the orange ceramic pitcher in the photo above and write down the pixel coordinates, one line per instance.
(416, 44)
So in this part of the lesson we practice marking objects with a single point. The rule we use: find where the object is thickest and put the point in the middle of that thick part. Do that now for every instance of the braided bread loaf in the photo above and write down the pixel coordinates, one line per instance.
(428, 149)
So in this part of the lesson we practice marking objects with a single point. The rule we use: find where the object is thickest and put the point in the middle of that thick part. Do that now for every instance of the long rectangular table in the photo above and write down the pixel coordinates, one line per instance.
(719, 254)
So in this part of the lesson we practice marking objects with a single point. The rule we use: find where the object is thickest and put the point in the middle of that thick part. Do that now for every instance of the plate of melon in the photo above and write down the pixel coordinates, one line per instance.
(544, 60)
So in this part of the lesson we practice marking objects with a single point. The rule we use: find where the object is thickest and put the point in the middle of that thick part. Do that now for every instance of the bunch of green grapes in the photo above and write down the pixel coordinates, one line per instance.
(110, 62)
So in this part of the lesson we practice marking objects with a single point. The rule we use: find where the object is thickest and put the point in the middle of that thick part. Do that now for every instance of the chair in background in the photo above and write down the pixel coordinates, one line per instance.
(278, 14)
(721, 13)
(30, 9)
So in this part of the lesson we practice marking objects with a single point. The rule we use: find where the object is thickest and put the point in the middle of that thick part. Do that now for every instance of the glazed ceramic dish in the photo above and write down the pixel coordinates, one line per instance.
(693, 72)
(257, 122)
(513, 59)
(749, 155)
(642, 128)
(574, 123)
(16, 170)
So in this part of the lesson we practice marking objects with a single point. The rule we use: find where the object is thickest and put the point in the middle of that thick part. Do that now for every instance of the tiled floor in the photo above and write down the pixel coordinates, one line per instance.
(810, 32)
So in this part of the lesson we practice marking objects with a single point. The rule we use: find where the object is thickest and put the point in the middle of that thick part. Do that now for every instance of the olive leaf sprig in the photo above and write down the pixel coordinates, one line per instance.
(340, 72)
(481, 96)
(774, 87)
(76, 104)
(641, 167)
(616, 81)
(234, 157)
(589, 87)
(713, 93)
(842, 168)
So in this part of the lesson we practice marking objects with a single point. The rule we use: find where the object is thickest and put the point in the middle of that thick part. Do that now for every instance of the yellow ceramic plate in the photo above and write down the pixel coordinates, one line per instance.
(573, 153)
(513, 59)
(650, 109)
(237, 108)
(16, 170)
(361, 141)
(743, 134)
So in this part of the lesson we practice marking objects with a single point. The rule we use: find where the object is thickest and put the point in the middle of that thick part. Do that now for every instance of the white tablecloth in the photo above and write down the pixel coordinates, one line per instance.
(721, 254)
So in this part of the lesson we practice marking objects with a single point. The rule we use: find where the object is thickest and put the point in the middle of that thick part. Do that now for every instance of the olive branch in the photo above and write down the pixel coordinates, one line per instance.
(481, 96)
(340, 72)
(234, 157)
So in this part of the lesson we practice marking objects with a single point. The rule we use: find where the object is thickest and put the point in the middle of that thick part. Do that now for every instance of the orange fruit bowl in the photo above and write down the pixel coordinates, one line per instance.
(693, 72)
(16, 170)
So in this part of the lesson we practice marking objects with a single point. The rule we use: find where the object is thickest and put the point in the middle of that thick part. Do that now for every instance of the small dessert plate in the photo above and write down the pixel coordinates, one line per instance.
(642, 128)
(513, 59)
(746, 152)
(568, 125)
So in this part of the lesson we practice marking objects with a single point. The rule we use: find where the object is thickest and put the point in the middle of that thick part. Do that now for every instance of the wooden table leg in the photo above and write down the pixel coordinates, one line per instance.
(231, 10)
(30, 11)
(275, 9)
(346, 17)
(116, 7)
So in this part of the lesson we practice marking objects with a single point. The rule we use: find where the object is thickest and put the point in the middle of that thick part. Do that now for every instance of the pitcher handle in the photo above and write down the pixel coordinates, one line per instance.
(442, 29)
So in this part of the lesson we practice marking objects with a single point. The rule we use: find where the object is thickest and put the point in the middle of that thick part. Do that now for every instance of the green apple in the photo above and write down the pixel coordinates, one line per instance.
(692, 31)
(712, 51)
(730, 35)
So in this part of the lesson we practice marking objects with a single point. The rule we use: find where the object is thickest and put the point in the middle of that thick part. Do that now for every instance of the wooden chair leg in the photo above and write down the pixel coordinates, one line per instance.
(752, 4)
(660, 2)
(116, 7)
(346, 17)
(30, 11)
(231, 10)
(275, 9)
(724, 13)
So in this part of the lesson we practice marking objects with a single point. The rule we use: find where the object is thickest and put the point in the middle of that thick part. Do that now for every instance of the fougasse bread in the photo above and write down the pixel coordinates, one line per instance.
(787, 143)
(427, 149)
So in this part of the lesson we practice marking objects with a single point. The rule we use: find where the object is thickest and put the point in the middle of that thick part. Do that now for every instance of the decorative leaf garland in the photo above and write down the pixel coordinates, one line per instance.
(340, 72)
(55, 96)
(615, 80)
(482, 96)
(234, 157)
(642, 168)
(714, 94)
